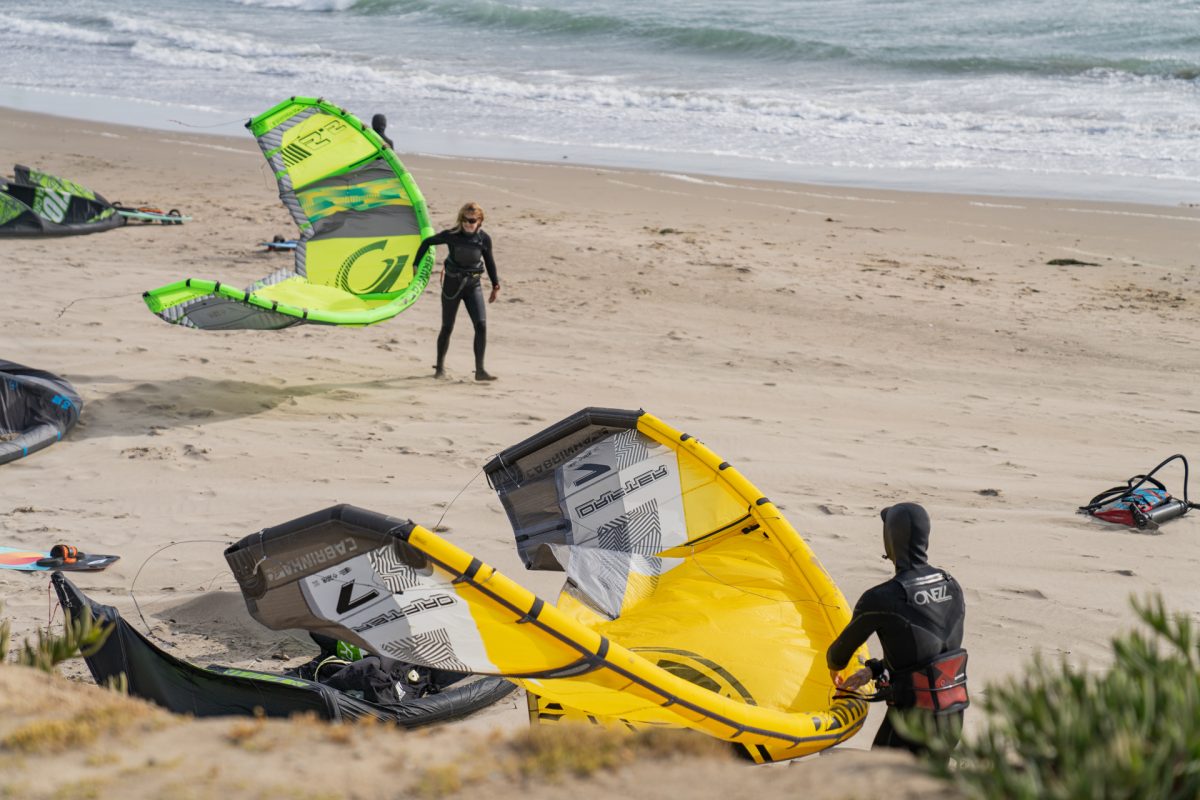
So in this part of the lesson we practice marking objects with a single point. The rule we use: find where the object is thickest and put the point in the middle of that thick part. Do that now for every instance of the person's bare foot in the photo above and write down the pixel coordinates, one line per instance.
(483, 375)
(439, 373)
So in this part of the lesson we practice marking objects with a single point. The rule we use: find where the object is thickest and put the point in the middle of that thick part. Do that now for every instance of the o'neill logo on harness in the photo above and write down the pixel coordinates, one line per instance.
(313, 558)
(628, 487)
(938, 594)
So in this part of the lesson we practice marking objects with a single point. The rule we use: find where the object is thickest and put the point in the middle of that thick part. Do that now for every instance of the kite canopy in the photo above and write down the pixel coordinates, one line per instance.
(690, 601)
(36, 410)
(361, 219)
(34, 203)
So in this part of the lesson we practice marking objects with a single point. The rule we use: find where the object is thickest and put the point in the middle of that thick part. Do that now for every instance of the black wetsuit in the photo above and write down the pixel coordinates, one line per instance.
(470, 254)
(917, 615)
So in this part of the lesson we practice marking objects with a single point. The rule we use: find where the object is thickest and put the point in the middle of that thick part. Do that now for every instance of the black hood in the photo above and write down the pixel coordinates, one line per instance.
(905, 535)
(379, 125)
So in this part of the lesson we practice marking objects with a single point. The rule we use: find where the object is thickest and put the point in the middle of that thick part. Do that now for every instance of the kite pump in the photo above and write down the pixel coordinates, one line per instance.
(1142, 508)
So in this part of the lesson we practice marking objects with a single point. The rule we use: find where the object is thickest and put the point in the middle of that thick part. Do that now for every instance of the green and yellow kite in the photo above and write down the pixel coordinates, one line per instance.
(361, 219)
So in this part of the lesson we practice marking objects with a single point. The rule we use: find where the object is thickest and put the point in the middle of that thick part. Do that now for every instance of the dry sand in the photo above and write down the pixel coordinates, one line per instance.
(844, 348)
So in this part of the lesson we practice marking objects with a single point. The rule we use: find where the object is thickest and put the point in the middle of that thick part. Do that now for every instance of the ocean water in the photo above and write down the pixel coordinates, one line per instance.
(1096, 99)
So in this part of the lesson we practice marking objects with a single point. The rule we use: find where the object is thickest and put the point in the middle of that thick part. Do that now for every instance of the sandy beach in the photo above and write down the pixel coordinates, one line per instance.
(845, 348)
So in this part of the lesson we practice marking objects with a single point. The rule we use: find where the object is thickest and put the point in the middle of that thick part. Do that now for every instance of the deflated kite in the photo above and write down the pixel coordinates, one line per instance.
(34, 203)
(329, 686)
(689, 602)
(361, 219)
(37, 409)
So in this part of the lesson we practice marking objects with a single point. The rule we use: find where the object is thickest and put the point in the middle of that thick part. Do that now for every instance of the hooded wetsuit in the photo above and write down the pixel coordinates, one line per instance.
(470, 254)
(917, 615)
(379, 125)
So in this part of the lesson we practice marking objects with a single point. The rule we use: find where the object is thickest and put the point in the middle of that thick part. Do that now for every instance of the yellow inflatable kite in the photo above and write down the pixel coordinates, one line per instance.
(689, 601)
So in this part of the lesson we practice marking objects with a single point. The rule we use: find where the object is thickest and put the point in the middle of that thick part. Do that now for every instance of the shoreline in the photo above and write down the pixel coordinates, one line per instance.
(1091, 188)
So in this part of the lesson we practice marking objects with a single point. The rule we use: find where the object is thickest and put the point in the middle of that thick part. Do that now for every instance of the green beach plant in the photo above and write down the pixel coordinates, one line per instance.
(5, 635)
(82, 636)
(1131, 731)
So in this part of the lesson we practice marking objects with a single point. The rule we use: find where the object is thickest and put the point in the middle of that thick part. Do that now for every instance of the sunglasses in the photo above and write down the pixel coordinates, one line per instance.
(470, 220)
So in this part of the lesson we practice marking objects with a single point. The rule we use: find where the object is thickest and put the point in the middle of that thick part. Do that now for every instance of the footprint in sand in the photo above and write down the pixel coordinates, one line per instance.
(1031, 593)
(149, 453)
(192, 451)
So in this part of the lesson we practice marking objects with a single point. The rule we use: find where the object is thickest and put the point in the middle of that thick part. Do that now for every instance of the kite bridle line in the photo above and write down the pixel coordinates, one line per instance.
(64, 309)
(136, 575)
(438, 524)
(239, 121)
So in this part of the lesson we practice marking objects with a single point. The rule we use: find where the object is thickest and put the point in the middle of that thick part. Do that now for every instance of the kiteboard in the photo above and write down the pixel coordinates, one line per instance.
(61, 556)
(143, 214)
(279, 244)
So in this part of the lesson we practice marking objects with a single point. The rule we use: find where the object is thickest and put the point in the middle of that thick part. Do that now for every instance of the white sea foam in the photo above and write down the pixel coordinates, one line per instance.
(692, 179)
(54, 30)
(996, 103)
(301, 5)
(328, 69)
(1111, 213)
(163, 34)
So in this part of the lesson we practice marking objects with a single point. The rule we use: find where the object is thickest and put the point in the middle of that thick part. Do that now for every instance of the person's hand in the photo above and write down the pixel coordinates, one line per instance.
(495, 292)
(856, 680)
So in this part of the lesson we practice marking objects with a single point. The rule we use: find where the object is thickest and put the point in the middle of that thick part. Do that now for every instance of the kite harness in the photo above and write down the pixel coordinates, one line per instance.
(1139, 506)
(940, 686)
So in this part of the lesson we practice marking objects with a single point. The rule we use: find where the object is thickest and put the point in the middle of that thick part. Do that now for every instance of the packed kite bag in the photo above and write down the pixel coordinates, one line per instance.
(1143, 502)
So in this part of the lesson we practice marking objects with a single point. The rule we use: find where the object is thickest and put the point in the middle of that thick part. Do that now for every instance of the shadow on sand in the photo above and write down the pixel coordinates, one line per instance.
(196, 400)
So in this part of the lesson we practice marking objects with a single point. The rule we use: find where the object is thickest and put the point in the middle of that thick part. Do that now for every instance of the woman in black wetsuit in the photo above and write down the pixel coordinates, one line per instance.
(918, 616)
(470, 254)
